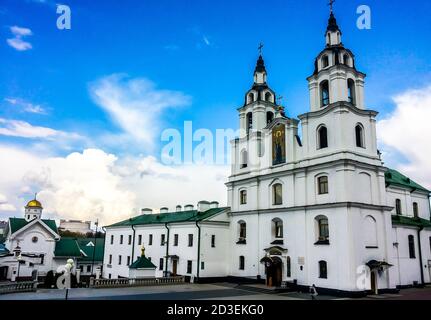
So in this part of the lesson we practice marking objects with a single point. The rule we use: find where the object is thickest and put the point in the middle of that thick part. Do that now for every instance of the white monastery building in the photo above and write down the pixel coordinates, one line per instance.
(33, 247)
(312, 208)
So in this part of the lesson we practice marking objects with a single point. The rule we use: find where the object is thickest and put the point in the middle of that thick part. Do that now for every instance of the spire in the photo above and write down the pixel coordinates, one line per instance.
(143, 251)
(260, 65)
(332, 24)
(333, 32)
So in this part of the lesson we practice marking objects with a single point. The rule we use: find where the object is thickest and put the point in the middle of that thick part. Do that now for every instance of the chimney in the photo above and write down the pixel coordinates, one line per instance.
(164, 210)
(146, 211)
(178, 208)
(213, 204)
(203, 206)
(188, 207)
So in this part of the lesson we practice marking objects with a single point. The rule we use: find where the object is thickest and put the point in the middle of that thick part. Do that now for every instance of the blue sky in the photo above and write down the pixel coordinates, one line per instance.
(204, 51)
(164, 41)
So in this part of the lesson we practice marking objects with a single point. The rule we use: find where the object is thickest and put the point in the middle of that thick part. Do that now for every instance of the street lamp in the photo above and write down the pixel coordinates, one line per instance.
(19, 258)
(94, 248)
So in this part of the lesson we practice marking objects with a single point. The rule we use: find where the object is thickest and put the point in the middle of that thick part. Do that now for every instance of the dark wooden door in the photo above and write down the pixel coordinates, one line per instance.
(174, 267)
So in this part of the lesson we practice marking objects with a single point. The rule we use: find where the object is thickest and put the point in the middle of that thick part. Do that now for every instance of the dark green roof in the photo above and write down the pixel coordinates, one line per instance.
(409, 221)
(18, 223)
(142, 263)
(393, 177)
(67, 247)
(169, 217)
(98, 249)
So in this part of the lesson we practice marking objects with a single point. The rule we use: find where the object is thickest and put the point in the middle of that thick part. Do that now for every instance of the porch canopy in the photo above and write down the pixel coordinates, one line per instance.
(378, 265)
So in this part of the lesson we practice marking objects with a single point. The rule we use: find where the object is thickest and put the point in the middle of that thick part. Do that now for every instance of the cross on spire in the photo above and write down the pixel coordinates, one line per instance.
(260, 48)
(330, 4)
(279, 100)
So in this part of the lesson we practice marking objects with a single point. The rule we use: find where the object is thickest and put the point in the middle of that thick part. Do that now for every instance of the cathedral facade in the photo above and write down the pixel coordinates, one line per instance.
(316, 207)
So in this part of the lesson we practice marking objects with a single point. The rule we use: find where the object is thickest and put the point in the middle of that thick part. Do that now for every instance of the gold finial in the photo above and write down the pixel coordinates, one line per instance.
(143, 251)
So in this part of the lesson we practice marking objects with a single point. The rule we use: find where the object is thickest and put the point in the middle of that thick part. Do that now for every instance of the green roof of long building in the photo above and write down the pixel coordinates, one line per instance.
(169, 217)
(393, 177)
(410, 221)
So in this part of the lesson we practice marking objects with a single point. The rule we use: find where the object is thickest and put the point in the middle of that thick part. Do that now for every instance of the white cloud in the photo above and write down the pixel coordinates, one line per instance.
(19, 44)
(4, 205)
(23, 129)
(207, 42)
(135, 105)
(17, 41)
(94, 184)
(20, 32)
(26, 106)
(407, 132)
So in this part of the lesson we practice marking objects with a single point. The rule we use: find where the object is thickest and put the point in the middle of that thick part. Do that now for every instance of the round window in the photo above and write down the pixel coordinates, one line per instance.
(34, 239)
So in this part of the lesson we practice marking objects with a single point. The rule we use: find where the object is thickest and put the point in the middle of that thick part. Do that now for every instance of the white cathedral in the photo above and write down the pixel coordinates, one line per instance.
(312, 208)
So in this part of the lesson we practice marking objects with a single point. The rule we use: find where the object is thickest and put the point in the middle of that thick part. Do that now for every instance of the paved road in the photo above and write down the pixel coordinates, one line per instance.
(221, 291)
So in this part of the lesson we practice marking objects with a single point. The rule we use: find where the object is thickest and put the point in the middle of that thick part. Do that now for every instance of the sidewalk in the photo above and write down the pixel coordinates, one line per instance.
(84, 293)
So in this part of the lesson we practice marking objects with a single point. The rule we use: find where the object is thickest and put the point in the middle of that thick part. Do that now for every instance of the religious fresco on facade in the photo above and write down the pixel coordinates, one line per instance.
(279, 144)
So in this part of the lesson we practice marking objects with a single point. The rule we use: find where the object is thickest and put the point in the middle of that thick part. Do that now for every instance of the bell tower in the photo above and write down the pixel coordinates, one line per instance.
(335, 77)
(260, 105)
(33, 210)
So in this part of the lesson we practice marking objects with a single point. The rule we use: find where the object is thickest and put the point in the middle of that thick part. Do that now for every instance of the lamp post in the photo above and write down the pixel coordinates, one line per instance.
(94, 249)
(19, 258)
(17, 252)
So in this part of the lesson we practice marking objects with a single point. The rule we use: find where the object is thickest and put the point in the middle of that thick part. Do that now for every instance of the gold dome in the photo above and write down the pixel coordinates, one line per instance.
(34, 204)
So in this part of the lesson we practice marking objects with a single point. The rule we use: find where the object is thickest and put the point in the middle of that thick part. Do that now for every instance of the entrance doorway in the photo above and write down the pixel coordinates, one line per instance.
(374, 289)
(174, 267)
(274, 272)
(3, 273)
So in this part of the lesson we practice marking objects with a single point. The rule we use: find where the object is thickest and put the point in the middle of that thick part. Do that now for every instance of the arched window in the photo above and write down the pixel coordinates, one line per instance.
(324, 93)
(244, 159)
(323, 269)
(288, 267)
(241, 232)
(277, 228)
(249, 122)
(269, 117)
(277, 194)
(351, 91)
(359, 135)
(268, 97)
(346, 59)
(322, 229)
(415, 210)
(412, 253)
(325, 61)
(243, 197)
(398, 206)
(241, 263)
(322, 135)
(370, 231)
(322, 185)
(250, 97)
